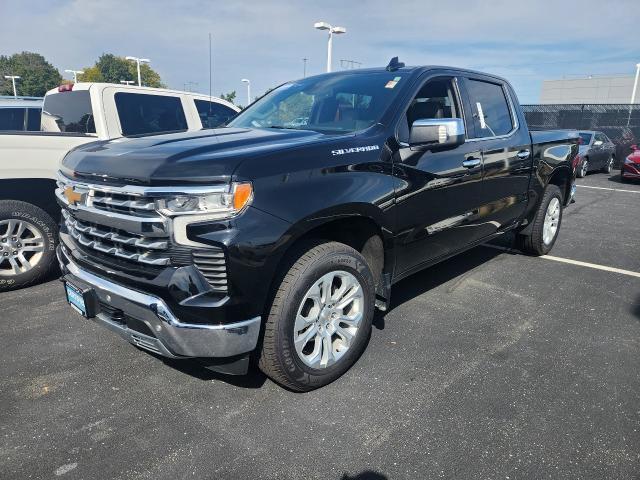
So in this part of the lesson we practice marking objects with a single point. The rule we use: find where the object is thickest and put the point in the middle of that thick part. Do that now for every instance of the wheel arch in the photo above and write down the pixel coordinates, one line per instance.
(36, 191)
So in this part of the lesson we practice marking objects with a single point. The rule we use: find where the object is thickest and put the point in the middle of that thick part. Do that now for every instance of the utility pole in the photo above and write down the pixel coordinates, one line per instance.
(304, 67)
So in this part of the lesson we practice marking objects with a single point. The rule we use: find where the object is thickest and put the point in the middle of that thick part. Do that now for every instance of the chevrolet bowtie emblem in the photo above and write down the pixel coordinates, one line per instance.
(72, 196)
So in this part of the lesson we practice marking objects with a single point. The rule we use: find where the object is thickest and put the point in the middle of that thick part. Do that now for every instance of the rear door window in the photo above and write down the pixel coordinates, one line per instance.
(490, 108)
(12, 118)
(68, 112)
(145, 114)
(213, 114)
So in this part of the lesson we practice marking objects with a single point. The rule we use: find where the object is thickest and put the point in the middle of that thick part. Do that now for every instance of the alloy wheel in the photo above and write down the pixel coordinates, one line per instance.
(21, 247)
(328, 319)
(551, 221)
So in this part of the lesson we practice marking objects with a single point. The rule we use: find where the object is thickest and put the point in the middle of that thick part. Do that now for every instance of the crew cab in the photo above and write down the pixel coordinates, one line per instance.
(275, 238)
(73, 115)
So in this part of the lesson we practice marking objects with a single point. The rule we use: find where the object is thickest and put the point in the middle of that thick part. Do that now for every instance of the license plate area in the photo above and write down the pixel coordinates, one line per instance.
(82, 300)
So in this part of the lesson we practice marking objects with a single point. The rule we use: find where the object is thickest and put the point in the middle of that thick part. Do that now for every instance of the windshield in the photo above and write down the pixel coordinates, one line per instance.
(338, 103)
(68, 112)
(586, 138)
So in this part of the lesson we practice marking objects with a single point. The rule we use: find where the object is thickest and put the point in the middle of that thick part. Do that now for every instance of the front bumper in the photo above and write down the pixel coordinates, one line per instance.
(147, 322)
(631, 170)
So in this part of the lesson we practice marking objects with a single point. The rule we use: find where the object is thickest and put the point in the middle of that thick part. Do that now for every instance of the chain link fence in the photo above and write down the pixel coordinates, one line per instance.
(620, 122)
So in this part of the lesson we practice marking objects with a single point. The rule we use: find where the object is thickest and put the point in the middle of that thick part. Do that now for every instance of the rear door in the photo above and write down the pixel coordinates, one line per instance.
(440, 191)
(506, 152)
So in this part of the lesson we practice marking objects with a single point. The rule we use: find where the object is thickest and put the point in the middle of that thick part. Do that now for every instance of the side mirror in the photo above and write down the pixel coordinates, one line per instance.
(597, 143)
(437, 132)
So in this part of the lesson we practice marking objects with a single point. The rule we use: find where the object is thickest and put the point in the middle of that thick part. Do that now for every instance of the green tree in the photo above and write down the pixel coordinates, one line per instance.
(229, 97)
(111, 69)
(37, 75)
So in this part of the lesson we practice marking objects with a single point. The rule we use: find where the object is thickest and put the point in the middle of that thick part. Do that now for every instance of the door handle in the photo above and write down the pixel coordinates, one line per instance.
(471, 162)
(523, 154)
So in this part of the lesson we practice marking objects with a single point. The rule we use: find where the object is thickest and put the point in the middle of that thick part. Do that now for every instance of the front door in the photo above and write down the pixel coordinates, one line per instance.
(439, 196)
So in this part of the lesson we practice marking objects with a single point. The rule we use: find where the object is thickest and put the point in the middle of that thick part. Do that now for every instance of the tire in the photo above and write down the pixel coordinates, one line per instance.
(608, 166)
(301, 369)
(534, 243)
(28, 239)
(584, 169)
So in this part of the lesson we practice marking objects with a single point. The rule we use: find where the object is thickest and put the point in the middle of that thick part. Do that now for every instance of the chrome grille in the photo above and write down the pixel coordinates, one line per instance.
(212, 265)
(124, 223)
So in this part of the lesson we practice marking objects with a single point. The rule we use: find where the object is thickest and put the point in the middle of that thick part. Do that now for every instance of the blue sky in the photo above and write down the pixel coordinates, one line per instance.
(524, 40)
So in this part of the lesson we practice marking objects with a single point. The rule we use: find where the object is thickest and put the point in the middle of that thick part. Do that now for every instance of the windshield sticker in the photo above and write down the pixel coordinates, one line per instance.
(343, 151)
(392, 83)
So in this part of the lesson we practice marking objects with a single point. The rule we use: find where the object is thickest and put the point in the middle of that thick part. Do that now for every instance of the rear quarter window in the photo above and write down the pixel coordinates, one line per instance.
(213, 114)
(142, 114)
(68, 112)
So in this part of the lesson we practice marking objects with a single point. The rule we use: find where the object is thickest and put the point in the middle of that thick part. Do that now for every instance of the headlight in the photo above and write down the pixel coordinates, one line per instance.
(628, 161)
(223, 204)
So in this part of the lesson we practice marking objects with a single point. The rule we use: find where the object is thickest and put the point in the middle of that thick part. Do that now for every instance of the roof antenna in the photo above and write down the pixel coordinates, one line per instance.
(394, 65)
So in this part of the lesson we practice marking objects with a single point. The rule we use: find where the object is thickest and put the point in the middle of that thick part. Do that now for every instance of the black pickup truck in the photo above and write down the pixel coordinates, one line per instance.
(276, 237)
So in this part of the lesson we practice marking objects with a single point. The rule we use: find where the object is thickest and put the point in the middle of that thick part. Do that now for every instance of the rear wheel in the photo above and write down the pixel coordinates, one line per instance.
(320, 318)
(28, 238)
(546, 224)
(584, 169)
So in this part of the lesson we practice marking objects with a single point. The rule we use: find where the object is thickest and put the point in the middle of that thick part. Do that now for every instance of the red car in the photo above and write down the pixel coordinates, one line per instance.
(631, 166)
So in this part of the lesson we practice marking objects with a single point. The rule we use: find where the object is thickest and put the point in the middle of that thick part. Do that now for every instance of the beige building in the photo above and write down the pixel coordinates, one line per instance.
(613, 89)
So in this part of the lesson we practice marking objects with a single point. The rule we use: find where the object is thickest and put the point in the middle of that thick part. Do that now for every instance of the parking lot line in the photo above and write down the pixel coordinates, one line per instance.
(574, 262)
(612, 189)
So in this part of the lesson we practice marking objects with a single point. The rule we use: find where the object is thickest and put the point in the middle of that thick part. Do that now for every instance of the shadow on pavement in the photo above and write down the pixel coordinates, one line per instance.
(367, 475)
(253, 379)
(440, 273)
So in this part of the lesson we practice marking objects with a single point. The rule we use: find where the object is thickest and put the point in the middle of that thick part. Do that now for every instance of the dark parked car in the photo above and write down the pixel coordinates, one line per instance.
(262, 237)
(630, 169)
(597, 153)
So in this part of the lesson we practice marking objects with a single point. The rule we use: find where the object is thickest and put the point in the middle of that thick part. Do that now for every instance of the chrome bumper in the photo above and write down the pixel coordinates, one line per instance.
(172, 338)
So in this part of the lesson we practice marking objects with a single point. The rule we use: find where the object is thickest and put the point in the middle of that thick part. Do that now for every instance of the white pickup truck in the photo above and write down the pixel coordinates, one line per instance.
(74, 115)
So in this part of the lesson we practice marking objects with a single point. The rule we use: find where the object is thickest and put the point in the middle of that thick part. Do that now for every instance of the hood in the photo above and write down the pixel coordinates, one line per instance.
(193, 157)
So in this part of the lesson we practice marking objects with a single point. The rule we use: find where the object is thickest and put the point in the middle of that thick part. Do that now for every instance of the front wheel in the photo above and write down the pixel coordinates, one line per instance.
(320, 318)
(609, 165)
(28, 237)
(546, 224)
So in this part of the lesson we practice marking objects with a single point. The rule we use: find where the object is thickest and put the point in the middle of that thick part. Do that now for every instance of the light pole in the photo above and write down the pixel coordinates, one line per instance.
(138, 62)
(332, 30)
(127, 82)
(633, 93)
(75, 74)
(304, 67)
(13, 79)
(248, 82)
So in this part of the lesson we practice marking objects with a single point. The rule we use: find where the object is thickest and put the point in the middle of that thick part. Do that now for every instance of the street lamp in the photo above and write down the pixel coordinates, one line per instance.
(75, 74)
(13, 79)
(332, 30)
(633, 93)
(127, 82)
(138, 62)
(248, 82)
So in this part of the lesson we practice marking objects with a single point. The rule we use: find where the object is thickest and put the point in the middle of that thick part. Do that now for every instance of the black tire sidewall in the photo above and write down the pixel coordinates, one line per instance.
(551, 193)
(296, 369)
(15, 210)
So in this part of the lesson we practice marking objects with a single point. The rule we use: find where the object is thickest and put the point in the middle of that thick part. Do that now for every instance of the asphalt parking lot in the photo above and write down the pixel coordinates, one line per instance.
(490, 365)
